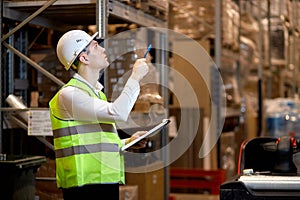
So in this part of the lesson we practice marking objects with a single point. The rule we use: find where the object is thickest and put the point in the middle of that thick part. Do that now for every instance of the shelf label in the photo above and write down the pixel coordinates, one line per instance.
(39, 123)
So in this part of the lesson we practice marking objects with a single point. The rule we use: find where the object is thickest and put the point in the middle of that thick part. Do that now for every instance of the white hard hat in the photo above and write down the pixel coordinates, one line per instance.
(70, 46)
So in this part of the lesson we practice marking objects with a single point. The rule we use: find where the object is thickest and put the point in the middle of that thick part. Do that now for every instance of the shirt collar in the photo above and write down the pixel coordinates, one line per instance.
(98, 86)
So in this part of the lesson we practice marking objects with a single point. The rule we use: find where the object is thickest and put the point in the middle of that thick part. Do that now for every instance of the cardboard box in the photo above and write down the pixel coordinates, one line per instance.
(177, 196)
(150, 184)
(46, 186)
(129, 192)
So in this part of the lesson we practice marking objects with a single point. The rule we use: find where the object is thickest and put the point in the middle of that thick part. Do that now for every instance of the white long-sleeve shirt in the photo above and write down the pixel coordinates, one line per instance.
(76, 104)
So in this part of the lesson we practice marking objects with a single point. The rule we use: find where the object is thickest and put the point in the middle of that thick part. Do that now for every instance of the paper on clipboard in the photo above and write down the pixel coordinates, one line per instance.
(149, 133)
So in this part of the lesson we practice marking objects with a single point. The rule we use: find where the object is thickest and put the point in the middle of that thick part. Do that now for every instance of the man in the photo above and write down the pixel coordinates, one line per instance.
(87, 147)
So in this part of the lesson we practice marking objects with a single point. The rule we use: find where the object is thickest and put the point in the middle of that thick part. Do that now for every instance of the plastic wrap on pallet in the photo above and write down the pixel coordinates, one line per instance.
(230, 21)
(192, 18)
(157, 8)
(282, 117)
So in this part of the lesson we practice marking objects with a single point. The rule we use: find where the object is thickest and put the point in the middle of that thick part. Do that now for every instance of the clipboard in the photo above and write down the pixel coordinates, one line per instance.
(149, 133)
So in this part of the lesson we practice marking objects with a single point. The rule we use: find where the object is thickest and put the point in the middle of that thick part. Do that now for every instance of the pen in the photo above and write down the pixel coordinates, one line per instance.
(149, 48)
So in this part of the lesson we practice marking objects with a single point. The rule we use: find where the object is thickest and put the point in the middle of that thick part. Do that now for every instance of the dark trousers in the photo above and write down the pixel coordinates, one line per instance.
(90, 192)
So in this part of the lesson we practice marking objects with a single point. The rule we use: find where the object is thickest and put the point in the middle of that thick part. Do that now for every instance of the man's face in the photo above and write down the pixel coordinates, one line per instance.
(96, 55)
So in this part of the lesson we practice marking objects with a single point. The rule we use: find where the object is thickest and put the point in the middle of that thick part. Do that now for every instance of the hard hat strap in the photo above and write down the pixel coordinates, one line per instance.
(76, 61)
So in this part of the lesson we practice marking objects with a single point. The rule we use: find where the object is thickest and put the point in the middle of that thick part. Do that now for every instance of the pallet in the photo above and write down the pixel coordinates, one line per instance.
(158, 9)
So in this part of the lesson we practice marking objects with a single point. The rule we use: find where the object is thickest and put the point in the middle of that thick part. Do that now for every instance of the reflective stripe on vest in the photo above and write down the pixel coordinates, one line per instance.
(87, 148)
(85, 128)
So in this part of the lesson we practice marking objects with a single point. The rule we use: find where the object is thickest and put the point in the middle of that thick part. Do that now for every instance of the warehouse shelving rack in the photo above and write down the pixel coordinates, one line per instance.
(62, 15)
(77, 12)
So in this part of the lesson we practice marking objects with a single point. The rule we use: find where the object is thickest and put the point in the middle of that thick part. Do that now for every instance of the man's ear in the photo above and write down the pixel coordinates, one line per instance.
(83, 58)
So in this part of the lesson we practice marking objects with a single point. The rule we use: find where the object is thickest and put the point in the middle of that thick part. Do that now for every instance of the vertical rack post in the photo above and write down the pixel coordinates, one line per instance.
(260, 70)
(102, 23)
(164, 93)
(1, 71)
(294, 60)
(101, 17)
(216, 83)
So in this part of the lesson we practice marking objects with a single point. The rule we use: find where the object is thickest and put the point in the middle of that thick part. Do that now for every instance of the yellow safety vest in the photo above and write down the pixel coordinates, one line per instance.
(87, 152)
